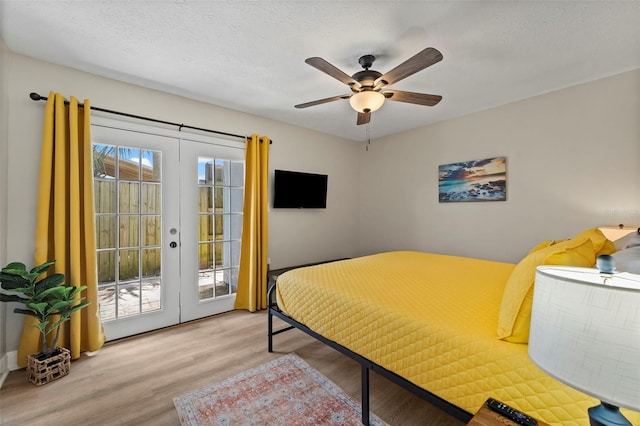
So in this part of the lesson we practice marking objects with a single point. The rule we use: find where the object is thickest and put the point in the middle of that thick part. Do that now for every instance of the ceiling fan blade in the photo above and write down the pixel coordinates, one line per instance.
(418, 62)
(331, 70)
(363, 118)
(412, 97)
(322, 101)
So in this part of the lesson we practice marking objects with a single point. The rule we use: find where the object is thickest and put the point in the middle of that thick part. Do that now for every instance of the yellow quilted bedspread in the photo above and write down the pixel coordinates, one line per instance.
(431, 319)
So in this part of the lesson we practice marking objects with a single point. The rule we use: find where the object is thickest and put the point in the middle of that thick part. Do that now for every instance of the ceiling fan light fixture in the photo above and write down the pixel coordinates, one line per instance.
(367, 101)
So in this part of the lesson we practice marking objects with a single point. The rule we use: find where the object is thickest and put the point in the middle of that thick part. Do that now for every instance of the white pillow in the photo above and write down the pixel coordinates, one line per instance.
(628, 260)
(628, 241)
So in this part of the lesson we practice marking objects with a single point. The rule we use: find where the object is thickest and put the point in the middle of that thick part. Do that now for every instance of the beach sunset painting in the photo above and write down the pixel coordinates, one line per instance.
(478, 180)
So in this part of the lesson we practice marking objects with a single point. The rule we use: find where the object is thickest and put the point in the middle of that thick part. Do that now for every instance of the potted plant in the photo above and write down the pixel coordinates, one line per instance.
(51, 302)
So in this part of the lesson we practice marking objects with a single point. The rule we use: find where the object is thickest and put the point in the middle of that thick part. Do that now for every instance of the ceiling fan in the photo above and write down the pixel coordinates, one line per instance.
(367, 85)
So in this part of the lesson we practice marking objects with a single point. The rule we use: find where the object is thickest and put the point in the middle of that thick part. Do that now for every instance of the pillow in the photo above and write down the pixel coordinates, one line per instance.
(628, 241)
(628, 260)
(601, 245)
(517, 298)
(580, 255)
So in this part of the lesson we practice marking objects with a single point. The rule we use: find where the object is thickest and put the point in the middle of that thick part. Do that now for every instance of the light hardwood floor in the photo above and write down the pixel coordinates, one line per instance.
(134, 381)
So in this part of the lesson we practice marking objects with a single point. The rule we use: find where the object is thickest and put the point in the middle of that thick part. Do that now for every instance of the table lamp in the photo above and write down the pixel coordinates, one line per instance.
(586, 334)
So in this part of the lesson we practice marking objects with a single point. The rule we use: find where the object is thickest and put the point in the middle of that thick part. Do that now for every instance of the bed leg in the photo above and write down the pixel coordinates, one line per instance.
(365, 395)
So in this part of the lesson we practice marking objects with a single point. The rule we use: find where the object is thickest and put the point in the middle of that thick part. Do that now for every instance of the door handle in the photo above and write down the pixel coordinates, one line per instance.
(173, 244)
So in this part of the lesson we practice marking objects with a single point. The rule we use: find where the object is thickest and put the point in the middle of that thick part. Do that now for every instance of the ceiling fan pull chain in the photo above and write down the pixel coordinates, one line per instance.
(368, 136)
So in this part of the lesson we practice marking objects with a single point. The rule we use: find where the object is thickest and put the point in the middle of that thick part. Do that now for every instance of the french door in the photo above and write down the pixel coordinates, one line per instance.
(168, 225)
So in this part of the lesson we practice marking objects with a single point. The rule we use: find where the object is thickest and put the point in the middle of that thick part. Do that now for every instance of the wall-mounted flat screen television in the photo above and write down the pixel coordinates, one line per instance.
(298, 190)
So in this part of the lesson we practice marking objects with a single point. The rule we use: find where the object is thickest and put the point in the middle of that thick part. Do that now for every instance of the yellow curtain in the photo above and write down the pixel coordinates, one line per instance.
(65, 223)
(252, 277)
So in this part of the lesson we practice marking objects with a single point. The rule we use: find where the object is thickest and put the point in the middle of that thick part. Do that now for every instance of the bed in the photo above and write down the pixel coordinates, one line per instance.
(441, 326)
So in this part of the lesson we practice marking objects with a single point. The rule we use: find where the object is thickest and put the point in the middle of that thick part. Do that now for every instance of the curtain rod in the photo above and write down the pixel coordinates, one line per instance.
(36, 97)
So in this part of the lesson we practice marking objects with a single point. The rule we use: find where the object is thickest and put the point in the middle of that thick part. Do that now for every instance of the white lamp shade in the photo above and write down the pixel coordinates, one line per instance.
(587, 334)
(367, 101)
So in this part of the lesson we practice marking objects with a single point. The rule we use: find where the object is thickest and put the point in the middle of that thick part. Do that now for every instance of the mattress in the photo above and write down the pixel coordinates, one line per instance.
(431, 319)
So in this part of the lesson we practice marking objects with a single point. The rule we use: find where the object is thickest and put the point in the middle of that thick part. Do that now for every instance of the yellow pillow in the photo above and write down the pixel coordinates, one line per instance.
(580, 255)
(517, 298)
(608, 248)
(601, 245)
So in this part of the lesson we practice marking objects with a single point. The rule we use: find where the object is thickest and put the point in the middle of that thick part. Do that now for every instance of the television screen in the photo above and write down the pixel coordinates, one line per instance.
(297, 190)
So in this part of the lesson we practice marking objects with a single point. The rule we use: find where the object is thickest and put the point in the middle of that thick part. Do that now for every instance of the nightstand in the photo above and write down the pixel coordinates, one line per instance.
(487, 417)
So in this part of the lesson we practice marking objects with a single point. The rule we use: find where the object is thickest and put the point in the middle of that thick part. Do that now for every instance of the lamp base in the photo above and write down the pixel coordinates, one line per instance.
(607, 415)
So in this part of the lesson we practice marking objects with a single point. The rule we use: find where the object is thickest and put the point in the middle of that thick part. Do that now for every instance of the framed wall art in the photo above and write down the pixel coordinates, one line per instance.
(477, 180)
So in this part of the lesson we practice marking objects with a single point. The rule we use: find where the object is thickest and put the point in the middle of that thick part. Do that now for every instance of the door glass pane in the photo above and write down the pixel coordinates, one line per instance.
(151, 165)
(128, 164)
(105, 196)
(128, 197)
(107, 303)
(128, 206)
(220, 185)
(128, 299)
(129, 230)
(205, 200)
(104, 161)
(105, 231)
(151, 232)
(151, 263)
(151, 198)
(106, 266)
(129, 265)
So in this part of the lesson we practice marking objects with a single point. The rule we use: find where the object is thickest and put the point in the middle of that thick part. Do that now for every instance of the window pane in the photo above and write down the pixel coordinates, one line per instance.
(129, 264)
(222, 283)
(222, 172)
(205, 199)
(128, 197)
(234, 279)
(237, 173)
(107, 300)
(235, 253)
(151, 165)
(151, 198)
(150, 263)
(106, 231)
(237, 200)
(222, 254)
(150, 295)
(206, 281)
(151, 234)
(129, 230)
(105, 196)
(221, 229)
(128, 299)
(129, 163)
(106, 266)
(205, 256)
(205, 170)
(104, 164)
(205, 228)
(236, 226)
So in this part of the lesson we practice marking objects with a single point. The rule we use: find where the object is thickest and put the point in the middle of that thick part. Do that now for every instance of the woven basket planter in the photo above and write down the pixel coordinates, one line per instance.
(41, 370)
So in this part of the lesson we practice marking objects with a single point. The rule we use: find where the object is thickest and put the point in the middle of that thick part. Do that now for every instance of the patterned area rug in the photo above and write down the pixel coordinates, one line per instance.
(285, 391)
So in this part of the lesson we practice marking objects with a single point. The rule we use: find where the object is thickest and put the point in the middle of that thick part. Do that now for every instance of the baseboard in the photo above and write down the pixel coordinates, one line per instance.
(4, 370)
(12, 361)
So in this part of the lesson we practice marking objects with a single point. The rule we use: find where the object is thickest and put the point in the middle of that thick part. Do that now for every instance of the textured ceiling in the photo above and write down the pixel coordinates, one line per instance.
(249, 55)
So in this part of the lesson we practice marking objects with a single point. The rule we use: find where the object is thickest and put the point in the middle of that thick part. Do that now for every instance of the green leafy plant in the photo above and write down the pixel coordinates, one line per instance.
(48, 300)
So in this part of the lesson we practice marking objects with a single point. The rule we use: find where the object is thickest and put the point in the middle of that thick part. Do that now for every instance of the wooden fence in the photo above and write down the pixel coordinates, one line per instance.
(140, 218)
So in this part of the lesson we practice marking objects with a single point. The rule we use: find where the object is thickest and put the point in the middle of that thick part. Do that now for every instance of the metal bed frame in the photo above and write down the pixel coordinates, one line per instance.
(366, 365)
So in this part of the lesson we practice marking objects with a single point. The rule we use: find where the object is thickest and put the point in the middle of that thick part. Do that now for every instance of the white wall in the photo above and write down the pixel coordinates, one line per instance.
(295, 236)
(4, 112)
(573, 162)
